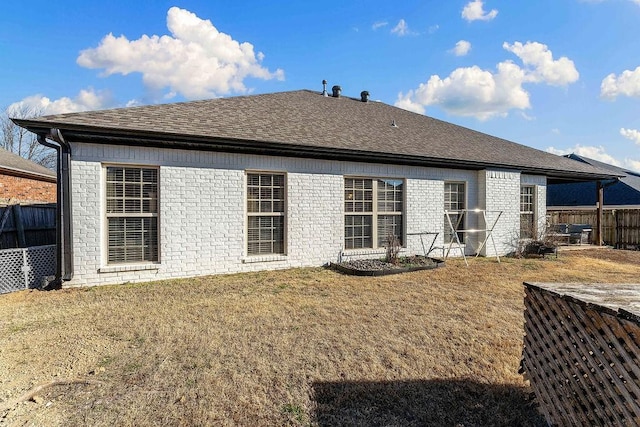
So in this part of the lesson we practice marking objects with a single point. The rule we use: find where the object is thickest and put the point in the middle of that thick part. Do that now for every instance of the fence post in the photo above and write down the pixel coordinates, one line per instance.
(17, 219)
(599, 212)
(25, 268)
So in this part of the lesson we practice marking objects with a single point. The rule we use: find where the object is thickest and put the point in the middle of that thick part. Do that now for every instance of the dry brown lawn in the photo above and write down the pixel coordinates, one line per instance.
(296, 347)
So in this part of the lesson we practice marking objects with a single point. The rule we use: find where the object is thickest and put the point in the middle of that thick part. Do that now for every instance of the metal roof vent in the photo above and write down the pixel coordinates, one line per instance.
(393, 124)
(364, 96)
(324, 88)
(336, 91)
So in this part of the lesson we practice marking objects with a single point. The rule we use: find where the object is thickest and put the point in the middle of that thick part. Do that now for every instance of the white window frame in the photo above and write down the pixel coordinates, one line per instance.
(375, 214)
(531, 213)
(151, 214)
(447, 229)
(249, 214)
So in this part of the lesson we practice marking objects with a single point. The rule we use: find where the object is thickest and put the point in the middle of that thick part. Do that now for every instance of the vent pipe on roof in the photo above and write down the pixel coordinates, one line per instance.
(364, 96)
(324, 88)
(336, 91)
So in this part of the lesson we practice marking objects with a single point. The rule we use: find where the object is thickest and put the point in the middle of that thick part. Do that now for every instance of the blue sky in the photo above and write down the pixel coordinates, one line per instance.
(557, 75)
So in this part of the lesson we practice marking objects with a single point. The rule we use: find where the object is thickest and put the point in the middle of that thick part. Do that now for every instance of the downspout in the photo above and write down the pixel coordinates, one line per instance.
(64, 245)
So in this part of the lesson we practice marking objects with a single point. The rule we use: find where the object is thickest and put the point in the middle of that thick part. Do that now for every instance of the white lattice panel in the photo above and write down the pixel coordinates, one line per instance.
(11, 274)
(26, 267)
(42, 263)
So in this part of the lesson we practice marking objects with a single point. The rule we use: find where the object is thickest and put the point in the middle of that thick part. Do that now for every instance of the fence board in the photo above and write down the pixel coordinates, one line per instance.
(620, 227)
(28, 225)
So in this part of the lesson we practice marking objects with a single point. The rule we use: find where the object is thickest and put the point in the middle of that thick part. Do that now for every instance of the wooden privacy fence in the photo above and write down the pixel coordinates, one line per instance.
(23, 226)
(620, 227)
(582, 352)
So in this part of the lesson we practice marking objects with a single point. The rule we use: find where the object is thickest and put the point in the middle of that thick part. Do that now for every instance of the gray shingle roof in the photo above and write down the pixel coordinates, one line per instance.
(15, 165)
(306, 119)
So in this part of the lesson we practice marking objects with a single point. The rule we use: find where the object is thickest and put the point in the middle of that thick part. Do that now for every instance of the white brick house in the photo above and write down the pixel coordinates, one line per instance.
(276, 181)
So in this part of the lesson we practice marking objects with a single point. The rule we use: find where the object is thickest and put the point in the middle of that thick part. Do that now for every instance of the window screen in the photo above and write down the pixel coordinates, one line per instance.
(454, 202)
(266, 213)
(527, 212)
(132, 214)
(373, 212)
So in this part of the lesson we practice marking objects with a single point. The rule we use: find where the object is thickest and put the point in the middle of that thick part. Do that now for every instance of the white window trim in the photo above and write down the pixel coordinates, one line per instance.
(465, 218)
(105, 266)
(251, 258)
(375, 213)
(533, 211)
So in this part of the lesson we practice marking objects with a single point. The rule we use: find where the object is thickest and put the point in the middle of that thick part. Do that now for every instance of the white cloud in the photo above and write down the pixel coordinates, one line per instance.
(433, 28)
(406, 102)
(633, 165)
(86, 100)
(526, 116)
(472, 91)
(462, 48)
(474, 11)
(543, 68)
(402, 29)
(592, 152)
(597, 153)
(196, 61)
(628, 84)
(632, 134)
(379, 24)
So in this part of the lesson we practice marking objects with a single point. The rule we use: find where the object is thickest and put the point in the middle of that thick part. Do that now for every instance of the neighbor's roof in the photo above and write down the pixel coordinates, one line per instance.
(624, 192)
(12, 164)
(306, 124)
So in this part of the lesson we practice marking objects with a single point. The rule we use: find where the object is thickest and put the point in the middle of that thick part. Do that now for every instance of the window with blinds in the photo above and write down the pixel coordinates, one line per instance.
(454, 202)
(265, 213)
(527, 212)
(373, 211)
(132, 214)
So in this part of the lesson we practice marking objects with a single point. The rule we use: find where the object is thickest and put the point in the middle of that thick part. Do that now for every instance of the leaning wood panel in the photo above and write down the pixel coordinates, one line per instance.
(582, 352)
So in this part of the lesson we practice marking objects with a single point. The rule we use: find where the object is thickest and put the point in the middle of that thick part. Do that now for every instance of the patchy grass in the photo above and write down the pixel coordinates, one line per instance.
(296, 347)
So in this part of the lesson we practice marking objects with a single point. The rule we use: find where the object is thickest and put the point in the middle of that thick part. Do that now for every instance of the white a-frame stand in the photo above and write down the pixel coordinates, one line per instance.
(458, 228)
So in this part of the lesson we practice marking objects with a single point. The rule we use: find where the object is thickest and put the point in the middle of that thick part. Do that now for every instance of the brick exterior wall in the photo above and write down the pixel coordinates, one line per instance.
(202, 209)
(500, 192)
(25, 190)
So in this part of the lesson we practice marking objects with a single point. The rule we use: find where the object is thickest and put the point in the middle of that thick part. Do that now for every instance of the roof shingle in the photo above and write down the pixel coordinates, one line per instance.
(14, 164)
(307, 119)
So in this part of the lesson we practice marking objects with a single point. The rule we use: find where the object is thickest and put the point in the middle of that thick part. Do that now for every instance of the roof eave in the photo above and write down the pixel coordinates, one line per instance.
(27, 174)
(90, 134)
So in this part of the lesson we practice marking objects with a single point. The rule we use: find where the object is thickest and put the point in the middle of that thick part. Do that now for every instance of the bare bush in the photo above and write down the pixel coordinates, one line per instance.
(538, 238)
(393, 247)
